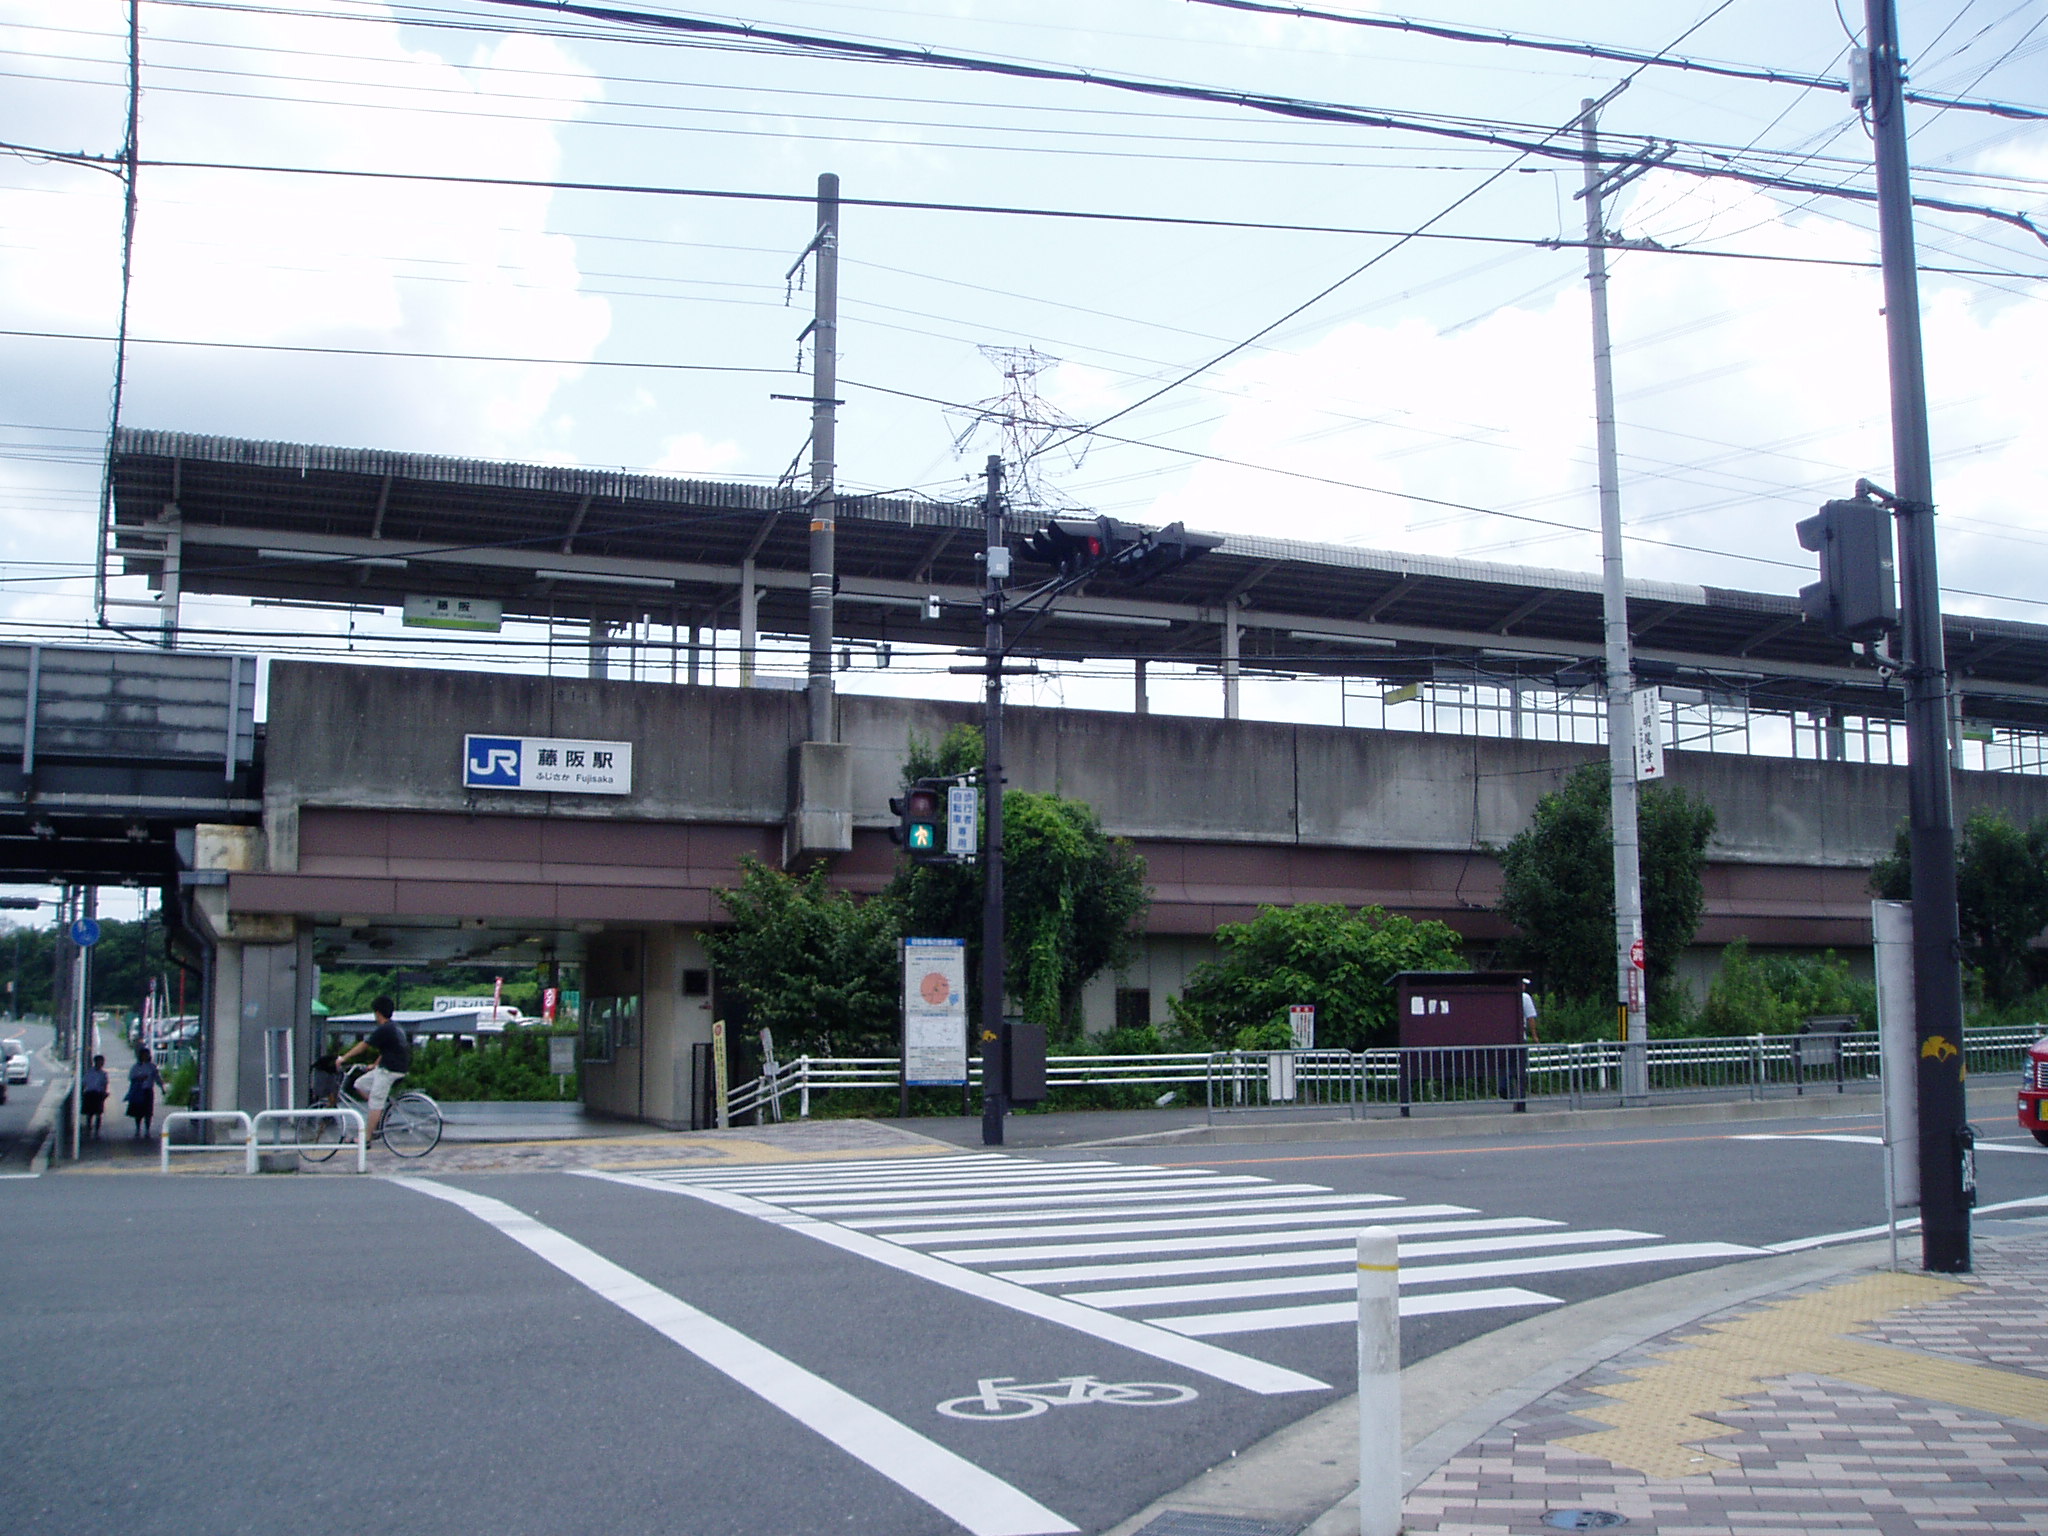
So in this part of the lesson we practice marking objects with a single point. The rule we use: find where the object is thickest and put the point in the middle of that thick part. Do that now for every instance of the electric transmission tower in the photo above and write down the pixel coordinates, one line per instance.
(1030, 426)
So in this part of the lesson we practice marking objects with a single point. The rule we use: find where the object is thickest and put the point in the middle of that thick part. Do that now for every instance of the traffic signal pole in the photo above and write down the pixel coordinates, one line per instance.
(995, 1096)
(1937, 972)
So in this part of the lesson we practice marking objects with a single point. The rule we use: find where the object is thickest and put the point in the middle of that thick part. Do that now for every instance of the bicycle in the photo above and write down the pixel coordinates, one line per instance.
(411, 1126)
(1004, 1397)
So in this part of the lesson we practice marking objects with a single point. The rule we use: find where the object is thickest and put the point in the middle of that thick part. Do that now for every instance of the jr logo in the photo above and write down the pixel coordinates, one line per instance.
(491, 762)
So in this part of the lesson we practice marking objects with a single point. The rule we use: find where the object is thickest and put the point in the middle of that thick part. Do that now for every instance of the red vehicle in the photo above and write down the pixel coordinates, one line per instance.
(2034, 1092)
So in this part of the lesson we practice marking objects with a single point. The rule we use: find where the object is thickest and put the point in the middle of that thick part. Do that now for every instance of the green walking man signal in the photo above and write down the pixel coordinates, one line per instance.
(929, 821)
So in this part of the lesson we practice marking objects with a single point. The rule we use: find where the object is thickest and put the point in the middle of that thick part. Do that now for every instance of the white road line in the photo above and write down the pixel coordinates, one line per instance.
(1421, 1274)
(1878, 1141)
(1009, 1196)
(1083, 1202)
(1324, 1257)
(1327, 1313)
(1369, 1216)
(1240, 1239)
(1861, 1141)
(941, 1174)
(850, 1168)
(968, 1183)
(1223, 1365)
(1040, 1211)
(958, 1489)
(1906, 1224)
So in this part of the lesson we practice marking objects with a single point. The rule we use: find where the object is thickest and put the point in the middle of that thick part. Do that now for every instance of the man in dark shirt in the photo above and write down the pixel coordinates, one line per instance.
(392, 1048)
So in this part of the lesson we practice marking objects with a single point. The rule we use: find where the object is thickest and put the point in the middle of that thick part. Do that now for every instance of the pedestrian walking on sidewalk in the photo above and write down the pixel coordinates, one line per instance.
(143, 1082)
(92, 1096)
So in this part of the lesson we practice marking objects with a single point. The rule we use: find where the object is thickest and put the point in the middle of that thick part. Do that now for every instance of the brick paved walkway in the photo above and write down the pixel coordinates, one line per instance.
(1885, 1404)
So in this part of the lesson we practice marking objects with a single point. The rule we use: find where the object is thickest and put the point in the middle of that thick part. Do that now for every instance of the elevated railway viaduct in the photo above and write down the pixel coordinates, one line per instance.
(370, 850)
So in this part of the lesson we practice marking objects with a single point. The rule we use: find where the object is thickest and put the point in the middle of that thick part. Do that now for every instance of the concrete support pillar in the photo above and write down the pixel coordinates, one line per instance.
(695, 641)
(1230, 639)
(750, 621)
(599, 629)
(1144, 700)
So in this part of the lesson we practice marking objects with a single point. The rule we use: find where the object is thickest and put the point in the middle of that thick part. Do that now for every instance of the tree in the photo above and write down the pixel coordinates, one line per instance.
(1072, 894)
(1557, 882)
(1325, 955)
(2001, 896)
(819, 967)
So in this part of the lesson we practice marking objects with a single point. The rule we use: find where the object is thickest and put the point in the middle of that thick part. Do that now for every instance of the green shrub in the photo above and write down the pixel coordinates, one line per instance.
(1775, 994)
(178, 1091)
(513, 1067)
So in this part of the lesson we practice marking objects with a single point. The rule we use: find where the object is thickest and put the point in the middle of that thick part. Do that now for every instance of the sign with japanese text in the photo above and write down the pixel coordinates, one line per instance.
(934, 1011)
(547, 763)
(1649, 733)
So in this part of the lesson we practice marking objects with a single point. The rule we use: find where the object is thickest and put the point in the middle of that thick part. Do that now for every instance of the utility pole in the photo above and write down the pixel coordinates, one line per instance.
(824, 334)
(1631, 1002)
(1937, 975)
(995, 1089)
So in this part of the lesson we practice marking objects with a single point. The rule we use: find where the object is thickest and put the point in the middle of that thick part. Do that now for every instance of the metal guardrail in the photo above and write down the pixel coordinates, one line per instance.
(247, 1145)
(280, 1118)
(1353, 1084)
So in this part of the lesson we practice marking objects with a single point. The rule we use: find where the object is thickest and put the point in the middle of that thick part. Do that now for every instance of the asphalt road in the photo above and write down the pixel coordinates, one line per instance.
(23, 1099)
(761, 1350)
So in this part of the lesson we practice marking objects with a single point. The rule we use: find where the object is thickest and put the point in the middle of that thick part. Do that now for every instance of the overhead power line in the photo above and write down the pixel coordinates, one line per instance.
(1756, 72)
(913, 205)
(1528, 142)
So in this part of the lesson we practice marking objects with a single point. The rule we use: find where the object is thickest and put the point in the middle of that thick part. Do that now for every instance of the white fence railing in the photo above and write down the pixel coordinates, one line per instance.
(251, 1144)
(1562, 1075)
(282, 1120)
(188, 1116)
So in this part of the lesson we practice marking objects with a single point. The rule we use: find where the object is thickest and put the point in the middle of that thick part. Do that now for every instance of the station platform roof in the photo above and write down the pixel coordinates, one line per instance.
(316, 524)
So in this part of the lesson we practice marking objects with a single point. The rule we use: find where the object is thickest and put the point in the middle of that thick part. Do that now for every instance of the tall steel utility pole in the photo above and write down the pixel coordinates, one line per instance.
(1631, 1002)
(995, 1090)
(824, 334)
(1937, 972)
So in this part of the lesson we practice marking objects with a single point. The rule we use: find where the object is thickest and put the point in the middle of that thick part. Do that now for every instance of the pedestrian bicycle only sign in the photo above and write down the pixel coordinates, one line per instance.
(548, 763)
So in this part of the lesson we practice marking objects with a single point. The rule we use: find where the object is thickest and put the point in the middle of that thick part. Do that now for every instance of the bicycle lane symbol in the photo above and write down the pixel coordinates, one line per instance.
(1004, 1397)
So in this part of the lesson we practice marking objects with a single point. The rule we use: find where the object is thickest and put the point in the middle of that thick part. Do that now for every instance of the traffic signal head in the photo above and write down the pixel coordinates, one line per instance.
(1857, 595)
(1115, 550)
(1164, 549)
(1069, 544)
(918, 813)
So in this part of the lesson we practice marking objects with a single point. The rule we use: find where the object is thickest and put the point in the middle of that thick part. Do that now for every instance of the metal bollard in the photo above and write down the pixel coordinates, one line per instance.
(1379, 1382)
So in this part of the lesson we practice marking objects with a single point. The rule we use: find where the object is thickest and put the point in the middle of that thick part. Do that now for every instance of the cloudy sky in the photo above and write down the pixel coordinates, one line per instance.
(1452, 368)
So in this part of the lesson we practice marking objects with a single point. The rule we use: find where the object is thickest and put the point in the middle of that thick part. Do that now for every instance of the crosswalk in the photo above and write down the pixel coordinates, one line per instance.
(1191, 1251)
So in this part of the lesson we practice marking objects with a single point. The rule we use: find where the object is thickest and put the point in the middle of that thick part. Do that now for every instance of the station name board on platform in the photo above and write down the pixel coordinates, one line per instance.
(549, 763)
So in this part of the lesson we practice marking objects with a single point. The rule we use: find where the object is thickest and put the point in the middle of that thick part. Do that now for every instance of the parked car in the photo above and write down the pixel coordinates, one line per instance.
(17, 1060)
(2034, 1092)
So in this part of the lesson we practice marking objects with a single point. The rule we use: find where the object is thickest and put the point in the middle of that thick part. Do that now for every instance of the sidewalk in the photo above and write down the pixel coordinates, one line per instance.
(1882, 1403)
(1810, 1393)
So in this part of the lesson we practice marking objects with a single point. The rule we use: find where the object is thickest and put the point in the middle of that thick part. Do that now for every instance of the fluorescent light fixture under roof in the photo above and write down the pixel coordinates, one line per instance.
(603, 579)
(314, 557)
(1376, 642)
(882, 600)
(1128, 620)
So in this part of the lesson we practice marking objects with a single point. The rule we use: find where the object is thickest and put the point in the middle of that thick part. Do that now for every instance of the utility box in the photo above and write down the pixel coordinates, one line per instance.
(1459, 1007)
(1024, 1061)
(1461, 1036)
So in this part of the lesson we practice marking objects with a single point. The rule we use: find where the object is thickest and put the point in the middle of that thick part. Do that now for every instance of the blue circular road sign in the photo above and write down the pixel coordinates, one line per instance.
(85, 933)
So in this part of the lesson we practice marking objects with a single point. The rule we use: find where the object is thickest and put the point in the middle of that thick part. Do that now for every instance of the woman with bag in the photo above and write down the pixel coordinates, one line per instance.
(143, 1082)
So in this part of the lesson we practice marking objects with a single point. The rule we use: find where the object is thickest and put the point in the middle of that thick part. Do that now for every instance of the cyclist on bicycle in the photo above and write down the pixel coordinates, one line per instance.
(391, 1046)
